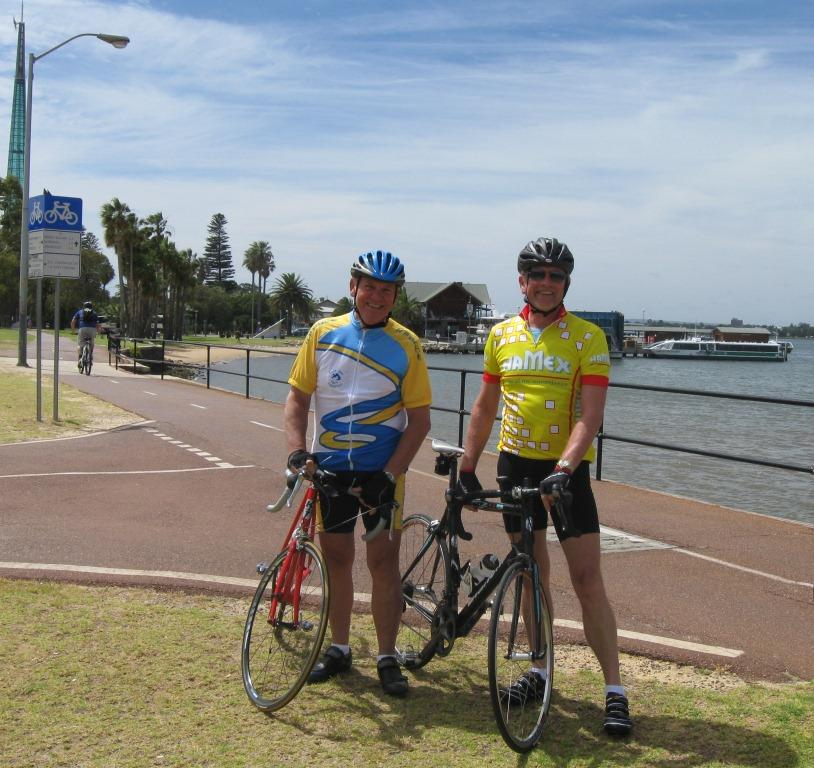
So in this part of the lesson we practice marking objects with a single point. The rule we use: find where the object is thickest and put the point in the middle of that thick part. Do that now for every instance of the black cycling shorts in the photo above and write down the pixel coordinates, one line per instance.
(583, 508)
(338, 514)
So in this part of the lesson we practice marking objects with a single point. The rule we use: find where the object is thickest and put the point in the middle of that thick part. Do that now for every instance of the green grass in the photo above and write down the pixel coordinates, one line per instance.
(78, 412)
(115, 677)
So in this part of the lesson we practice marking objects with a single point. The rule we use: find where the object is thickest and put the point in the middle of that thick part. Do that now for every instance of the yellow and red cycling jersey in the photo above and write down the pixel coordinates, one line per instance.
(541, 382)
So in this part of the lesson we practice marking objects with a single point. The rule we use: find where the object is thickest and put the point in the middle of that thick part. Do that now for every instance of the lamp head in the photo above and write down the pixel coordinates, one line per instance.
(117, 41)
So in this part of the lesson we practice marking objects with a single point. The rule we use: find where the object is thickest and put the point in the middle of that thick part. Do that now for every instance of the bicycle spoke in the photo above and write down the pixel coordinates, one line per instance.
(423, 566)
(520, 699)
(279, 650)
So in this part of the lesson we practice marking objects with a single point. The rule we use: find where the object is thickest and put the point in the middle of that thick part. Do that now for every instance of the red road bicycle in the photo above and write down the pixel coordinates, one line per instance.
(288, 615)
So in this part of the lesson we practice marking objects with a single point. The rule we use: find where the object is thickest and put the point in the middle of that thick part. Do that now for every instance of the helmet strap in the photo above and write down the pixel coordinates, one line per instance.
(544, 312)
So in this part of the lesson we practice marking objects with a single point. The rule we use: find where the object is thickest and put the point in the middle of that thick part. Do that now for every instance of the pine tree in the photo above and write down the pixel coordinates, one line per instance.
(217, 254)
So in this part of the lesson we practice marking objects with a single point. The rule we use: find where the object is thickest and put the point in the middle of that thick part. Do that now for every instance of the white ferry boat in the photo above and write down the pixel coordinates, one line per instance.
(709, 349)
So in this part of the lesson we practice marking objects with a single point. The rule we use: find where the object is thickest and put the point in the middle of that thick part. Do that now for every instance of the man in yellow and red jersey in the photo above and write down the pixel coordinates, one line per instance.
(551, 369)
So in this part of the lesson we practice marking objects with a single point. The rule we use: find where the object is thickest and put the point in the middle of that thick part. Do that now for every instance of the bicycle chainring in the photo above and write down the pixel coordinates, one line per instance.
(444, 630)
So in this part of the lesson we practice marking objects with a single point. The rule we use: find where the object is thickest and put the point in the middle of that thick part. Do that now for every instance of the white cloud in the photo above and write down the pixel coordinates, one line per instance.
(657, 147)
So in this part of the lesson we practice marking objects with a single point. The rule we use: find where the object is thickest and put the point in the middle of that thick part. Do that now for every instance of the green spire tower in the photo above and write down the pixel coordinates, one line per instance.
(16, 143)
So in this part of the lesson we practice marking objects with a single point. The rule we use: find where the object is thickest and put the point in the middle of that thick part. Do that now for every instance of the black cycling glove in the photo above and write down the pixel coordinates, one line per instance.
(378, 490)
(558, 481)
(297, 459)
(468, 483)
(556, 485)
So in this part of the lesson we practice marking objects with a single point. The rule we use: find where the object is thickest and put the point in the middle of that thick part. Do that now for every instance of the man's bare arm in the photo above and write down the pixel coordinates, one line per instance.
(481, 423)
(418, 427)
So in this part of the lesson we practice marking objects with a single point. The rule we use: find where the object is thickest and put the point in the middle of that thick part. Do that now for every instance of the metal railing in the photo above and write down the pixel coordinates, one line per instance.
(461, 412)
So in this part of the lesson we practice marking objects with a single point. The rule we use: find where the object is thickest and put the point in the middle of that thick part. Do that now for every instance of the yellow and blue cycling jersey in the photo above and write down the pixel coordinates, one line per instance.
(541, 380)
(361, 379)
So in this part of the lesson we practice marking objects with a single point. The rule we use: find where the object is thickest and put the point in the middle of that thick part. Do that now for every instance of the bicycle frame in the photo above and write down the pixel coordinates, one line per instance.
(302, 529)
(450, 623)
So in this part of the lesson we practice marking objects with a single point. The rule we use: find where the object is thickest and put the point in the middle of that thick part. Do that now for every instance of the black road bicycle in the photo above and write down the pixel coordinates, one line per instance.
(520, 630)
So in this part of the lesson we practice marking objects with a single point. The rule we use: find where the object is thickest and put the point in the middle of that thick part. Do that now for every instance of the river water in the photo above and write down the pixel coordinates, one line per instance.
(769, 432)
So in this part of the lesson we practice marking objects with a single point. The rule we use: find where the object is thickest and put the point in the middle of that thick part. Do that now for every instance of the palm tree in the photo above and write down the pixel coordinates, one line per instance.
(293, 296)
(265, 271)
(409, 312)
(118, 221)
(253, 260)
(343, 306)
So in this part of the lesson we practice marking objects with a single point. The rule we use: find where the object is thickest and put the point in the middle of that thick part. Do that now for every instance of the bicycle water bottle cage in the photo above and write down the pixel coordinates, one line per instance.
(442, 465)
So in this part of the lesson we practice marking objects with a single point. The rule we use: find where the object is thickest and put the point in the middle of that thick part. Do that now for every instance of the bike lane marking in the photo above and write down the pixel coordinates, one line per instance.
(614, 540)
(266, 426)
(127, 472)
(360, 597)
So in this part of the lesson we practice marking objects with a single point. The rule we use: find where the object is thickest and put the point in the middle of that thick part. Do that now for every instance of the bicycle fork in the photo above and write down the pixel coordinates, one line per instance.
(530, 592)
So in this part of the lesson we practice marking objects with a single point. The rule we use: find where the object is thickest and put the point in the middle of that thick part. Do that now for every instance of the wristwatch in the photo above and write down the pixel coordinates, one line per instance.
(563, 465)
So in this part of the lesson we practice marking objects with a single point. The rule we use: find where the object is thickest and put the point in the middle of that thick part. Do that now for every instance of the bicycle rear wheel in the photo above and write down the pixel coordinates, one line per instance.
(520, 714)
(424, 565)
(280, 648)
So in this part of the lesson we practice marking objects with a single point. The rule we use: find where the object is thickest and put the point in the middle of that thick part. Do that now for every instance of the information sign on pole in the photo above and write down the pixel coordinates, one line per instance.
(54, 232)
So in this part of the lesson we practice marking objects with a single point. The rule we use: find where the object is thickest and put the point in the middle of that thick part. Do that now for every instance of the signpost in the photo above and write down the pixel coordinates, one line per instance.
(54, 247)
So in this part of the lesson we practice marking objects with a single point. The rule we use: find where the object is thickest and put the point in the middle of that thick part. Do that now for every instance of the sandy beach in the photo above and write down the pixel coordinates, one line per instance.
(197, 354)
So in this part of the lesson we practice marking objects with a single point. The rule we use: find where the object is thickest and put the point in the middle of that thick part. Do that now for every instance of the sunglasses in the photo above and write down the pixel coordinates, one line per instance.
(553, 274)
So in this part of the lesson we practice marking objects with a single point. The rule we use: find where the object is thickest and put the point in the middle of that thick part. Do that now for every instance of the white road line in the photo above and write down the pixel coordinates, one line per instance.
(125, 472)
(743, 568)
(267, 426)
(360, 597)
(195, 405)
(149, 393)
(713, 650)
(653, 544)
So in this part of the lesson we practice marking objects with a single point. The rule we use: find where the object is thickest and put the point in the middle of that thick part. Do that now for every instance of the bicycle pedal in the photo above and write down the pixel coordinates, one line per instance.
(261, 568)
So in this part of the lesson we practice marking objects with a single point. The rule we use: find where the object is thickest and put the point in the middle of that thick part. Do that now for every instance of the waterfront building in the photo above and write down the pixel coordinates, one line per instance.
(451, 308)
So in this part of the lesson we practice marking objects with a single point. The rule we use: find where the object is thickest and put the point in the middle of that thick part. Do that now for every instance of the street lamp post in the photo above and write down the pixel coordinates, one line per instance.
(117, 41)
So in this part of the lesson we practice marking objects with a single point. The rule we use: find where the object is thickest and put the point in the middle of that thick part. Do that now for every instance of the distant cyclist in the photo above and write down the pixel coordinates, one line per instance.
(86, 322)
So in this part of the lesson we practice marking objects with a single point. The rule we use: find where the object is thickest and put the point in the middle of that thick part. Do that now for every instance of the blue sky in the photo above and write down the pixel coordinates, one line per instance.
(669, 144)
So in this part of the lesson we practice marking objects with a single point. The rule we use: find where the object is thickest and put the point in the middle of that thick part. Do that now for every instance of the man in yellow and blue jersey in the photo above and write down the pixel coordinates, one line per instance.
(368, 380)
(551, 368)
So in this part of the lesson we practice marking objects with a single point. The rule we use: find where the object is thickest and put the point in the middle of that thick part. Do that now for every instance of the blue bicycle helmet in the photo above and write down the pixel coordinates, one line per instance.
(380, 265)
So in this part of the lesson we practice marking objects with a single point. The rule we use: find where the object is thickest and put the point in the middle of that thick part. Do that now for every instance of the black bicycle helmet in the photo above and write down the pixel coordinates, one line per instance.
(87, 305)
(380, 265)
(545, 252)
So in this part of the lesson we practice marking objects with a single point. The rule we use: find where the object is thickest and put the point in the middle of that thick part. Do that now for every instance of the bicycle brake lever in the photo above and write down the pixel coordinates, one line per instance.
(375, 531)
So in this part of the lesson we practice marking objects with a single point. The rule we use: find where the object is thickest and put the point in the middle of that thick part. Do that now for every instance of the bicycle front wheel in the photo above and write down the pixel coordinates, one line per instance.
(285, 627)
(424, 565)
(517, 642)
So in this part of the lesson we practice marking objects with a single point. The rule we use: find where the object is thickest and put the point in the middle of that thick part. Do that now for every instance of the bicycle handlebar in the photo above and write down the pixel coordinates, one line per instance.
(490, 500)
(326, 482)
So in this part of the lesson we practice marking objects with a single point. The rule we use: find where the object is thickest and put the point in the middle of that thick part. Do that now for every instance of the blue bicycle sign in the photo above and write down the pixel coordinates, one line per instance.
(50, 212)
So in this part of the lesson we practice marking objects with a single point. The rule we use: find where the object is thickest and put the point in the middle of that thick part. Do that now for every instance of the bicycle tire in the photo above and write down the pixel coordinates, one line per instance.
(423, 580)
(520, 723)
(278, 654)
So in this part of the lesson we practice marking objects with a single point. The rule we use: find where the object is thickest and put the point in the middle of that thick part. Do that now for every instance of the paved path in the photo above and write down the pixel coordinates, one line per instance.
(179, 499)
